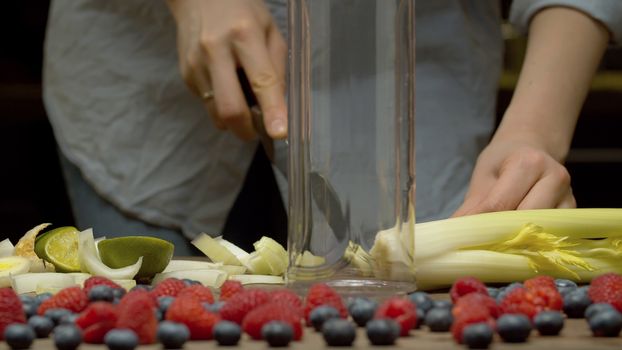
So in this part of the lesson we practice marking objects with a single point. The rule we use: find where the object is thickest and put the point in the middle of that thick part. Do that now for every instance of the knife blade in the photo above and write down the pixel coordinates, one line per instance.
(329, 205)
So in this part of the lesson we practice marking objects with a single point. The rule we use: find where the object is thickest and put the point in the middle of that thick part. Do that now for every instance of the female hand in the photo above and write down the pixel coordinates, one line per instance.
(516, 174)
(214, 39)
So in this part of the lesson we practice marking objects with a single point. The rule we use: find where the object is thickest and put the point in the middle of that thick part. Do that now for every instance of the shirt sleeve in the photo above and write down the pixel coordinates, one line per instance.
(608, 12)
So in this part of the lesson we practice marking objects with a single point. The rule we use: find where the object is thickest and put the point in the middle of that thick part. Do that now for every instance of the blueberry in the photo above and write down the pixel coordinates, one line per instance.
(159, 314)
(164, 302)
(43, 297)
(493, 292)
(575, 303)
(67, 337)
(382, 331)
(321, 314)
(564, 283)
(439, 319)
(594, 309)
(41, 325)
(174, 335)
(477, 336)
(227, 333)
(442, 304)
(563, 291)
(351, 302)
(189, 282)
(69, 319)
(514, 328)
(607, 323)
(277, 333)
(101, 293)
(30, 309)
(549, 322)
(585, 289)
(56, 314)
(121, 339)
(19, 336)
(28, 299)
(118, 293)
(146, 287)
(363, 311)
(420, 318)
(215, 307)
(422, 300)
(338, 332)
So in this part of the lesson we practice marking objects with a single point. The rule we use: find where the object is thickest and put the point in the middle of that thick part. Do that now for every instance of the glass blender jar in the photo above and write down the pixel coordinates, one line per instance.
(352, 148)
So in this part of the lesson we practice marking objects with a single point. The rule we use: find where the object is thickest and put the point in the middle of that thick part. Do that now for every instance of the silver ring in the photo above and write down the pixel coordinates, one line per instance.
(207, 95)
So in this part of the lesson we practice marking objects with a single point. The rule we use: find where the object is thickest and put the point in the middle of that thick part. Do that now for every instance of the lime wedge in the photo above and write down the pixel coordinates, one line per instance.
(60, 247)
(124, 251)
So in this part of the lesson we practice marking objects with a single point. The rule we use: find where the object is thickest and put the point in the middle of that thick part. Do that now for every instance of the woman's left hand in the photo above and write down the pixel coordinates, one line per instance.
(516, 174)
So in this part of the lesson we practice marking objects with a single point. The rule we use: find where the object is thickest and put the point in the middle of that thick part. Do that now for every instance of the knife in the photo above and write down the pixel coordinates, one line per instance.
(257, 116)
(329, 205)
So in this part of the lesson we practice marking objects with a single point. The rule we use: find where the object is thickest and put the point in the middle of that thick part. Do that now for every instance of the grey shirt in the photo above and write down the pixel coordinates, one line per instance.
(122, 114)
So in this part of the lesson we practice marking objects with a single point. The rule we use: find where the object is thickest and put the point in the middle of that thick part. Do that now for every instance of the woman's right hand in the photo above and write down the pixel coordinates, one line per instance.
(214, 39)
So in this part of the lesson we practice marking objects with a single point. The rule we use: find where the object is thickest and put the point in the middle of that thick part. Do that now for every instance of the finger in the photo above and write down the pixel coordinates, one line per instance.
(547, 193)
(210, 105)
(277, 49)
(231, 107)
(265, 81)
(569, 201)
(201, 82)
(478, 190)
(513, 184)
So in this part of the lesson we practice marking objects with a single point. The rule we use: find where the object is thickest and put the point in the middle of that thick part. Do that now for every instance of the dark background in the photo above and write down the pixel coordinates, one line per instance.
(32, 189)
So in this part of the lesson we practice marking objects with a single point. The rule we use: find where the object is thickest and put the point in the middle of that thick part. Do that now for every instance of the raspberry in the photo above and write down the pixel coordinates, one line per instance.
(190, 311)
(467, 302)
(472, 314)
(168, 287)
(137, 294)
(540, 281)
(202, 293)
(547, 298)
(96, 320)
(466, 285)
(97, 312)
(322, 294)
(96, 281)
(530, 302)
(138, 314)
(95, 333)
(272, 311)
(286, 296)
(242, 303)
(229, 288)
(73, 299)
(401, 310)
(607, 288)
(11, 310)
(519, 301)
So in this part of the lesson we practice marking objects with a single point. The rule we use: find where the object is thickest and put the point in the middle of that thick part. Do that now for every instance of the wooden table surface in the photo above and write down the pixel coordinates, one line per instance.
(576, 335)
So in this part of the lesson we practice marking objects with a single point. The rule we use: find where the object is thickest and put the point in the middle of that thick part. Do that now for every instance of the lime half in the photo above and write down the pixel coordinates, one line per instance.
(124, 251)
(60, 247)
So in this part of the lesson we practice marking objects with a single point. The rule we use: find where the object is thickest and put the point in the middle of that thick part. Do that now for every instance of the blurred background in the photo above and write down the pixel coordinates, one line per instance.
(32, 189)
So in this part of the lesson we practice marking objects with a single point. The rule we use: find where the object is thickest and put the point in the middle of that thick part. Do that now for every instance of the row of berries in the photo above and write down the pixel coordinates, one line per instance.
(175, 311)
(476, 312)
